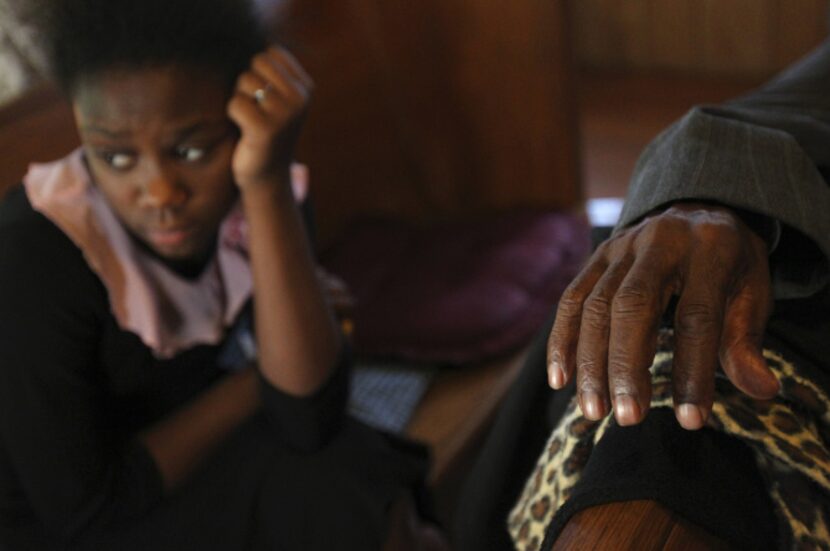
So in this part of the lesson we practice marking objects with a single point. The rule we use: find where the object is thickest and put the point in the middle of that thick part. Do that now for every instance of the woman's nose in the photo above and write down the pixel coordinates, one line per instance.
(164, 191)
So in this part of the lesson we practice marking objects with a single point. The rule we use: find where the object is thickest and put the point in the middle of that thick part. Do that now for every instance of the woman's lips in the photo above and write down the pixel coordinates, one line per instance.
(169, 238)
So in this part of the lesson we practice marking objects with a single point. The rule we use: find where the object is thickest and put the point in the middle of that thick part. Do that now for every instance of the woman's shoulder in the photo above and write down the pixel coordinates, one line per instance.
(21, 226)
(17, 214)
(34, 250)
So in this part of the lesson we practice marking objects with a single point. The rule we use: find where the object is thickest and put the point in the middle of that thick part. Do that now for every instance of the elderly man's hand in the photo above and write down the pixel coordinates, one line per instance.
(607, 322)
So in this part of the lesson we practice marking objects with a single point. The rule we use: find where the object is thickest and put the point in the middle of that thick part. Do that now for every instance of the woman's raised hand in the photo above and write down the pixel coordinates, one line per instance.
(606, 326)
(268, 106)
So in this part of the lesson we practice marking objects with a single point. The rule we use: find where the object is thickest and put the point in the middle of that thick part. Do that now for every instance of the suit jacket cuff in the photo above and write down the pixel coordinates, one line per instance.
(757, 169)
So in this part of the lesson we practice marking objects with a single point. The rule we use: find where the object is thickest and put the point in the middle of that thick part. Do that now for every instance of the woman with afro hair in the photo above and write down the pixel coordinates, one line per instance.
(137, 408)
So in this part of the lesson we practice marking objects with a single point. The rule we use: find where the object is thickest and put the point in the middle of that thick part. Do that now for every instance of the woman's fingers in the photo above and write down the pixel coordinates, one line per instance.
(276, 84)
(292, 65)
(243, 111)
(268, 106)
(279, 74)
(248, 83)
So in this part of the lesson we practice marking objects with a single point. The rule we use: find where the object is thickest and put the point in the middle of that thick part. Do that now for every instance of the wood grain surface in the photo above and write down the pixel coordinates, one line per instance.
(717, 37)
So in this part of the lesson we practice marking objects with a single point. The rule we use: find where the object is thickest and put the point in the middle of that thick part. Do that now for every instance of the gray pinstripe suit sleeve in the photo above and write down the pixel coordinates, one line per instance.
(765, 154)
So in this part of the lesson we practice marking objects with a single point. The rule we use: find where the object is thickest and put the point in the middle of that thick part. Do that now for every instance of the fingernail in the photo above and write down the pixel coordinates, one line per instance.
(556, 375)
(626, 410)
(591, 406)
(690, 416)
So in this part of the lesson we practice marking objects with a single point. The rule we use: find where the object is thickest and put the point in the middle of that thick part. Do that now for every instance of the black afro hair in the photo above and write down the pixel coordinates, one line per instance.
(87, 37)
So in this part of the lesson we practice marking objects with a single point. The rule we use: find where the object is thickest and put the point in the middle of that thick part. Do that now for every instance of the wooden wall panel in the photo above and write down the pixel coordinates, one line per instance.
(742, 38)
(674, 31)
(435, 109)
(512, 80)
(596, 31)
(632, 44)
(736, 35)
(796, 26)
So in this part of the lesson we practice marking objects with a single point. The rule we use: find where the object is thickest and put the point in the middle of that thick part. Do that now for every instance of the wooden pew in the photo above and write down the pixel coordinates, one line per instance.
(644, 525)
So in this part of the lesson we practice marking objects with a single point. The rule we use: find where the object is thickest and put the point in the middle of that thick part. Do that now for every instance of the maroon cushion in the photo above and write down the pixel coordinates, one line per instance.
(458, 292)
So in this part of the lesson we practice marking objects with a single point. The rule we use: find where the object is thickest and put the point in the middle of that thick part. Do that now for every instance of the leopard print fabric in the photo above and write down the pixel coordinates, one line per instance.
(789, 436)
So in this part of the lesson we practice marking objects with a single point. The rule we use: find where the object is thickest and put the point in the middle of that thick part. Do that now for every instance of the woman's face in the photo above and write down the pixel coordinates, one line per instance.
(159, 146)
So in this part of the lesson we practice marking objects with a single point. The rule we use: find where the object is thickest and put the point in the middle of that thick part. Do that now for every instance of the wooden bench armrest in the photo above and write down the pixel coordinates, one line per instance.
(645, 525)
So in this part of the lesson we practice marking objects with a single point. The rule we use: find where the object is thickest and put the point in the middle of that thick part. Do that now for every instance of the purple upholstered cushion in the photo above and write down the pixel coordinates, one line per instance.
(457, 293)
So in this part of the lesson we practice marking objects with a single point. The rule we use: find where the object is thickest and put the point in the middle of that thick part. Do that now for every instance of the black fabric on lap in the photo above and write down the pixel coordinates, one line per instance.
(705, 476)
(254, 494)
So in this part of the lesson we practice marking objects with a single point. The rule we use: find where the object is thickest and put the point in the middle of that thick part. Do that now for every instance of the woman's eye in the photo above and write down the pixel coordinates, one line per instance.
(119, 161)
(191, 154)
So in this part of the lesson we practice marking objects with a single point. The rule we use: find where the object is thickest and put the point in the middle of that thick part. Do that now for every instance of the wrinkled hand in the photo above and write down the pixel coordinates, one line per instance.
(606, 326)
(268, 106)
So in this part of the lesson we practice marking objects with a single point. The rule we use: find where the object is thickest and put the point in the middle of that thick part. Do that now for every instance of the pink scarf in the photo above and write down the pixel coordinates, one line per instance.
(169, 313)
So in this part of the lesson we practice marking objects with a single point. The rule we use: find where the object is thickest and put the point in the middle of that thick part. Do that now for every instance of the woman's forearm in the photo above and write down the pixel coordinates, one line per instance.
(297, 337)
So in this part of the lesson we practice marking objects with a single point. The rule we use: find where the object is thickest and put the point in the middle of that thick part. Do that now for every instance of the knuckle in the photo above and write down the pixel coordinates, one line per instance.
(597, 310)
(696, 320)
(718, 235)
(633, 300)
(247, 79)
(663, 239)
(570, 304)
(618, 250)
(650, 232)
(263, 57)
(709, 231)
(558, 338)
(604, 247)
(235, 105)
(661, 226)
(260, 62)
(589, 369)
(590, 377)
(622, 378)
(597, 314)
